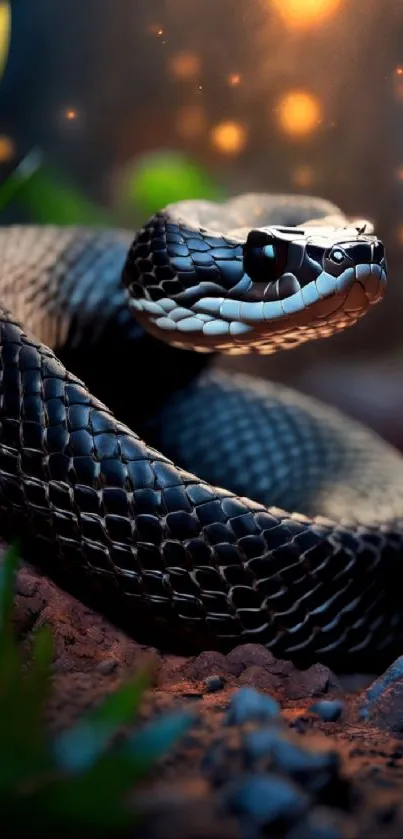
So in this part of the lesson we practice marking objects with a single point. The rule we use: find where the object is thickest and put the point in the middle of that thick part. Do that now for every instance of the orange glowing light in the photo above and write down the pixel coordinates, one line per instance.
(399, 234)
(156, 29)
(185, 65)
(190, 121)
(229, 137)
(7, 149)
(299, 113)
(300, 14)
(399, 173)
(399, 70)
(234, 79)
(303, 176)
(5, 33)
(71, 114)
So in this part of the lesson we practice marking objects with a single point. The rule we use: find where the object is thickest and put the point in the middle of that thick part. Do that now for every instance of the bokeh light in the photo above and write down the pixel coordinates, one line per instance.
(301, 14)
(5, 33)
(156, 29)
(298, 113)
(229, 137)
(185, 65)
(7, 149)
(190, 121)
(70, 114)
(303, 176)
(234, 79)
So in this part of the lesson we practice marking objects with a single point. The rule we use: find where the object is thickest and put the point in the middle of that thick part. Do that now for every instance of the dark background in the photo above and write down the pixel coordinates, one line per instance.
(98, 84)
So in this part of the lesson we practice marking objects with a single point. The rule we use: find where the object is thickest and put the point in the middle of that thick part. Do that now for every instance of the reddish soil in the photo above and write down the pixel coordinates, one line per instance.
(92, 658)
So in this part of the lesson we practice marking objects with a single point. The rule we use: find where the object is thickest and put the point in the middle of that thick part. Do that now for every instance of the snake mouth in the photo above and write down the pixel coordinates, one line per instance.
(322, 307)
(252, 290)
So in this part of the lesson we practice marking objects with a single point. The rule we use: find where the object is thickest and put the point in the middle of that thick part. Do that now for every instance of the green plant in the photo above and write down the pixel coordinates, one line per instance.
(82, 778)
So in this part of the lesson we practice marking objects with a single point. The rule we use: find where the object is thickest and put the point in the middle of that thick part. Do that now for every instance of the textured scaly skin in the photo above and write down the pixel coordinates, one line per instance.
(105, 514)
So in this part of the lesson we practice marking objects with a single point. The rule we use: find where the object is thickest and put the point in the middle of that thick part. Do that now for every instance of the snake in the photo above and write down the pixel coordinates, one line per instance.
(240, 511)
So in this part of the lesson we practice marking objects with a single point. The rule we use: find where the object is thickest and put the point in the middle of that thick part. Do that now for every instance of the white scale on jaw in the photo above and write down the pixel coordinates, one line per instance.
(223, 316)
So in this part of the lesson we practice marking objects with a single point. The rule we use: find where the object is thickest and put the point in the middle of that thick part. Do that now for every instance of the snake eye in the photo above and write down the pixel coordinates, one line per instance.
(264, 256)
(337, 256)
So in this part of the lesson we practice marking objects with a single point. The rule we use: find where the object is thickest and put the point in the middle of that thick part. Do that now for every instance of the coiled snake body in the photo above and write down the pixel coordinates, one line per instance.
(113, 519)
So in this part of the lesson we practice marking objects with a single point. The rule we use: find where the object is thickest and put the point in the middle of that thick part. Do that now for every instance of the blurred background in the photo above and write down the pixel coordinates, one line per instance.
(109, 110)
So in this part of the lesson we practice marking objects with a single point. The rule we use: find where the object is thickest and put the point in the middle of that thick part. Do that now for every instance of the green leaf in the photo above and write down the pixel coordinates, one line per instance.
(157, 737)
(80, 746)
(97, 797)
(10, 659)
(8, 569)
(37, 683)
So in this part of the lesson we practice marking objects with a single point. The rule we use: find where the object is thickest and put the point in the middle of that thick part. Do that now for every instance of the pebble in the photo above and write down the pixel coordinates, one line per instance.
(258, 744)
(314, 769)
(322, 823)
(25, 585)
(383, 700)
(107, 666)
(328, 709)
(265, 798)
(315, 680)
(248, 705)
(214, 683)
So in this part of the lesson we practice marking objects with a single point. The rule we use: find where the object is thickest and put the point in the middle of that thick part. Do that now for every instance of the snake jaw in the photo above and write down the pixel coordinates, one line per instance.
(200, 289)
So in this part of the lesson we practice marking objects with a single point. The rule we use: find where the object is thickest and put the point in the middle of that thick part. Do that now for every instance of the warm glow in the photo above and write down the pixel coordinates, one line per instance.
(5, 33)
(298, 14)
(229, 137)
(399, 174)
(185, 65)
(190, 121)
(6, 148)
(156, 29)
(298, 113)
(71, 114)
(234, 79)
(399, 234)
(399, 70)
(302, 176)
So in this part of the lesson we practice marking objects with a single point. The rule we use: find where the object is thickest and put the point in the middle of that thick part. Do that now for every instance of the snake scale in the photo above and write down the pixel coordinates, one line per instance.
(310, 566)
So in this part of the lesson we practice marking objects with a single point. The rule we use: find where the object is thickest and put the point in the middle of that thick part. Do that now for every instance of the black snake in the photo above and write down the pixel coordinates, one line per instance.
(115, 521)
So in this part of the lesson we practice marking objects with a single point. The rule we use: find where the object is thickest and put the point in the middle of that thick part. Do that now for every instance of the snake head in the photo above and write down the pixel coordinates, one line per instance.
(257, 290)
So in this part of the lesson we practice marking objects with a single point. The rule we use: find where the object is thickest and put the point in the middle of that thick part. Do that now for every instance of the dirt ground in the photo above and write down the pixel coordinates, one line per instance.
(245, 769)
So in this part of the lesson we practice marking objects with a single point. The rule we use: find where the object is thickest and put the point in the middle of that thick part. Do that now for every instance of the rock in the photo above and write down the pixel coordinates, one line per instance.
(311, 682)
(26, 583)
(258, 744)
(248, 705)
(314, 768)
(107, 666)
(259, 678)
(214, 683)
(382, 702)
(266, 799)
(249, 655)
(206, 664)
(323, 823)
(329, 710)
